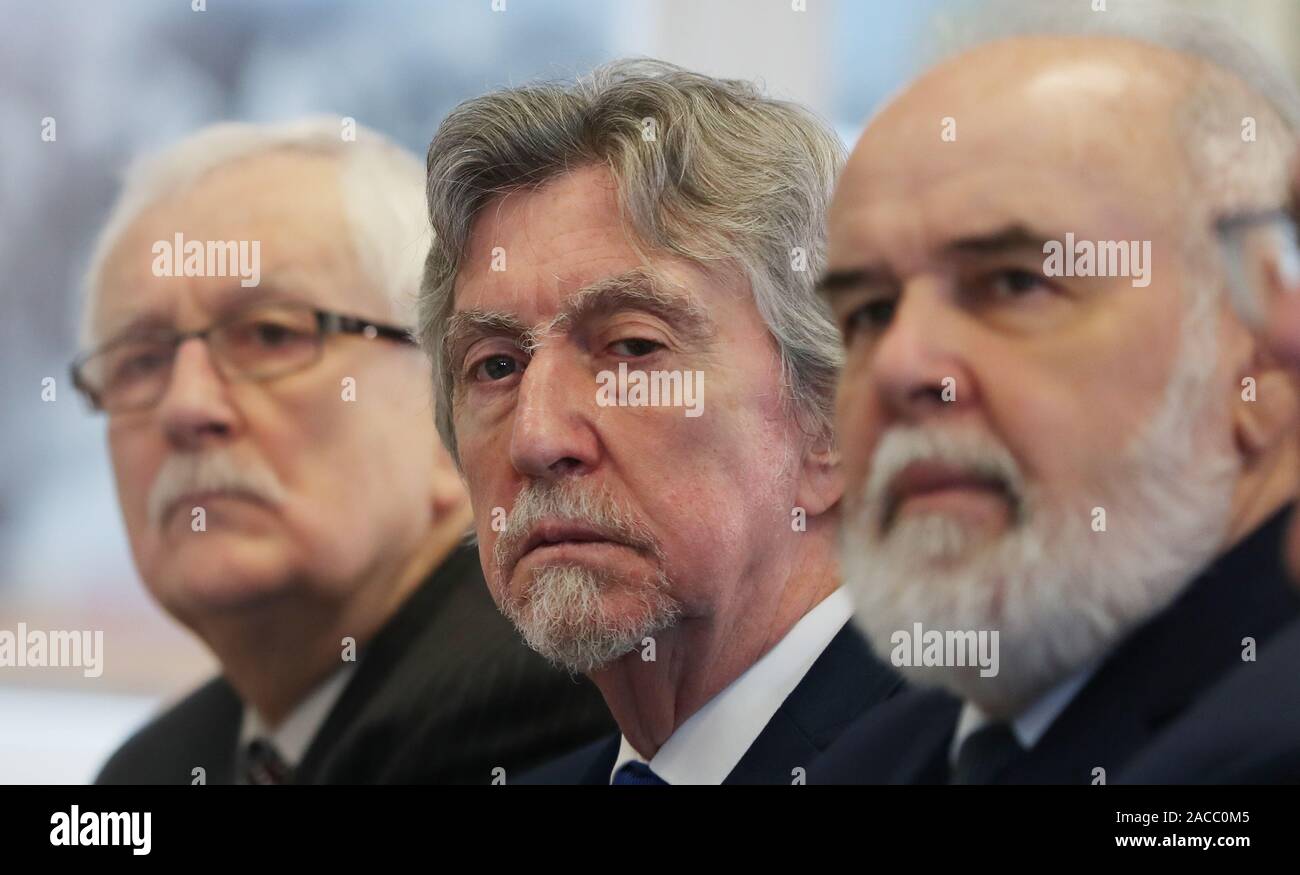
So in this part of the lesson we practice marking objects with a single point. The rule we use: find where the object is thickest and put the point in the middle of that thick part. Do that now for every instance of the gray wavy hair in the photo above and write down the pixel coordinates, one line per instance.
(706, 169)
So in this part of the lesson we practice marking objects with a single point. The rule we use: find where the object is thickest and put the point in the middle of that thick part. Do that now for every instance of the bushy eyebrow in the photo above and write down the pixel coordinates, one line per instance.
(642, 290)
(139, 325)
(838, 281)
(1013, 238)
(229, 300)
(467, 326)
(634, 290)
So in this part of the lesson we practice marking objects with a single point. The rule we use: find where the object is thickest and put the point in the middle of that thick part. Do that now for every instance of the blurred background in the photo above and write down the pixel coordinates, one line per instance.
(130, 76)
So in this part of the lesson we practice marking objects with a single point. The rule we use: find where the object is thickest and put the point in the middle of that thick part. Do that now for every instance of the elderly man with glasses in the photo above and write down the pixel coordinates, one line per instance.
(281, 482)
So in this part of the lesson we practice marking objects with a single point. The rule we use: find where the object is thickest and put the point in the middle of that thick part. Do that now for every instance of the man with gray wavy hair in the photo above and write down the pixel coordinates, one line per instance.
(636, 378)
(248, 335)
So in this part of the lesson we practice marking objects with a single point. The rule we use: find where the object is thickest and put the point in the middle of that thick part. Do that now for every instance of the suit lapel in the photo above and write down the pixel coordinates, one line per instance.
(929, 722)
(603, 762)
(381, 660)
(217, 739)
(1152, 678)
(844, 681)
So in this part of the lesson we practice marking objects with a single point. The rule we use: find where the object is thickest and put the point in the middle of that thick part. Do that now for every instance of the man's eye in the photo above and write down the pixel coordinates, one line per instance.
(265, 334)
(273, 334)
(496, 367)
(139, 364)
(1016, 283)
(635, 347)
(871, 316)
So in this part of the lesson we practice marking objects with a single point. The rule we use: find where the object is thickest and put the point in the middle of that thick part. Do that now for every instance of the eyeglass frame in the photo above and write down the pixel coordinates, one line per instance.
(328, 322)
(1243, 301)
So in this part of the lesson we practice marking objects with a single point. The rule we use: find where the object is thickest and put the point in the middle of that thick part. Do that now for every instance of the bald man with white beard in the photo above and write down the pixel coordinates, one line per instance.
(1067, 462)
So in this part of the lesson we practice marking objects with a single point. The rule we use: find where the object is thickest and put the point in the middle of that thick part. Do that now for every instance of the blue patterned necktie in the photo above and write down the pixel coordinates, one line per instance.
(637, 774)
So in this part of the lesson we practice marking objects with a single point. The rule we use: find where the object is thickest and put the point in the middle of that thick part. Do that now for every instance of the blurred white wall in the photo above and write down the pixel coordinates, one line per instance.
(57, 737)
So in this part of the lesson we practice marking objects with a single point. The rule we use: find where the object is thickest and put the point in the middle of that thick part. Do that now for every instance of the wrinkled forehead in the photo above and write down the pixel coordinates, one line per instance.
(279, 223)
(565, 250)
(889, 218)
(1076, 146)
(537, 315)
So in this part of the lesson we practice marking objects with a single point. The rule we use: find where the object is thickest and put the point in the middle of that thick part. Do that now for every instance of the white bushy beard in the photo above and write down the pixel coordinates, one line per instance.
(1059, 594)
(562, 612)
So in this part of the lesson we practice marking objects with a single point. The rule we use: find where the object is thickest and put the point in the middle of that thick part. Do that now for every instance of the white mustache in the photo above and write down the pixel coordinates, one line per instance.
(964, 449)
(538, 502)
(215, 471)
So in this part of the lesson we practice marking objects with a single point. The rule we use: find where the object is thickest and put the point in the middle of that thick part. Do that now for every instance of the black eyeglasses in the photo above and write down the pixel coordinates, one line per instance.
(262, 342)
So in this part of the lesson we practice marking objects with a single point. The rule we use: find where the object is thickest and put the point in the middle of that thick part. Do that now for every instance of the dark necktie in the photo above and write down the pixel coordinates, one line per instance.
(263, 764)
(985, 754)
(637, 774)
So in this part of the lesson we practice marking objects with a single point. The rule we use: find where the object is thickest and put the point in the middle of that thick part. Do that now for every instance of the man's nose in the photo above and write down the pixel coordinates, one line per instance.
(553, 434)
(195, 408)
(919, 367)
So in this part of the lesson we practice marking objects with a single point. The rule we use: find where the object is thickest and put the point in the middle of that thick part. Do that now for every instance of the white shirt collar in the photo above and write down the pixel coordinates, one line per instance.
(1033, 722)
(295, 733)
(705, 748)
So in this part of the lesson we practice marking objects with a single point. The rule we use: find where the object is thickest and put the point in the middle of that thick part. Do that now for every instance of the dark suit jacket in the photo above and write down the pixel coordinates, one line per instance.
(445, 692)
(843, 682)
(1155, 691)
(1245, 731)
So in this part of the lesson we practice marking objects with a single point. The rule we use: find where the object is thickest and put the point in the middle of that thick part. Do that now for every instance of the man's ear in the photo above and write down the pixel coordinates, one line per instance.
(447, 488)
(1266, 407)
(822, 482)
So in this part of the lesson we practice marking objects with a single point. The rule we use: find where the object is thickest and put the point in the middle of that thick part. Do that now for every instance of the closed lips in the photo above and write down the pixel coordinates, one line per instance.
(925, 478)
(548, 534)
(196, 499)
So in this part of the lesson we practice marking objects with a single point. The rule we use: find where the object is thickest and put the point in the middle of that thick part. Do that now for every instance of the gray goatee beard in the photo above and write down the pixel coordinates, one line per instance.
(582, 619)
(564, 616)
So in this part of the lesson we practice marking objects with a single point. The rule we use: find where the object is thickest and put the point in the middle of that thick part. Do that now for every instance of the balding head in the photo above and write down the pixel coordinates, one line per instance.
(1156, 128)
(1023, 266)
